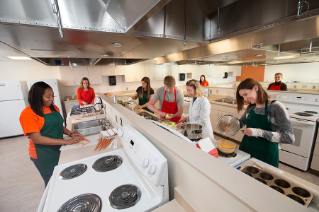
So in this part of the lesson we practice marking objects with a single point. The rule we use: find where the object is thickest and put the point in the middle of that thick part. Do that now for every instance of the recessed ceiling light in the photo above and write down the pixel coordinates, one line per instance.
(104, 55)
(18, 58)
(258, 55)
(116, 44)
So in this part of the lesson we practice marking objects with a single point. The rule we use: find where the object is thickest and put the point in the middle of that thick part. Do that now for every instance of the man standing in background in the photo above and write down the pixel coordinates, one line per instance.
(278, 85)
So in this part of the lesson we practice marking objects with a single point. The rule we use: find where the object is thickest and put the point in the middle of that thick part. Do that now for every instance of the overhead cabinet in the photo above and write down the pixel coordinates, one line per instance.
(71, 77)
(134, 73)
(112, 70)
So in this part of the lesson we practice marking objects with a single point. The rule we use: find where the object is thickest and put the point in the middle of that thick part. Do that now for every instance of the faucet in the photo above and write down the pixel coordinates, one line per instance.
(104, 106)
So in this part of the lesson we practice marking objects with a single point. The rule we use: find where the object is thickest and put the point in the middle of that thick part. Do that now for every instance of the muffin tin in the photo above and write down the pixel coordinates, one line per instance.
(288, 189)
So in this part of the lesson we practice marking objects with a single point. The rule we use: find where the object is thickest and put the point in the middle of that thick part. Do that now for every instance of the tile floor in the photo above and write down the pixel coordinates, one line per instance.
(20, 179)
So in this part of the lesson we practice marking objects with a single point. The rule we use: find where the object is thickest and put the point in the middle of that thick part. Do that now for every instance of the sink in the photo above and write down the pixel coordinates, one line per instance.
(91, 127)
(148, 116)
(228, 101)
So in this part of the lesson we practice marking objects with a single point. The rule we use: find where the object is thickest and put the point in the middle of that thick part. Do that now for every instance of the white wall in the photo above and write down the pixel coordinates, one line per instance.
(31, 70)
(307, 72)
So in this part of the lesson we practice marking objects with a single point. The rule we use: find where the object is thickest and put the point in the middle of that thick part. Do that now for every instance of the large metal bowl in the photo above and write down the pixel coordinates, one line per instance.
(192, 131)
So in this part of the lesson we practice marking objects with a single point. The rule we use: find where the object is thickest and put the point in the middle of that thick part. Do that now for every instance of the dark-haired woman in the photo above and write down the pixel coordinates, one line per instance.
(267, 123)
(203, 81)
(144, 93)
(85, 93)
(43, 123)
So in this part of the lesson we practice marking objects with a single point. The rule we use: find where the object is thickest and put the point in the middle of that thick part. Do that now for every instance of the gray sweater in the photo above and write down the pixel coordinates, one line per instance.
(277, 114)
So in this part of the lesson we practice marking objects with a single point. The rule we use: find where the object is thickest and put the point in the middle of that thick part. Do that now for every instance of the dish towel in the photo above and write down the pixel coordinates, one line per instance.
(207, 146)
(109, 132)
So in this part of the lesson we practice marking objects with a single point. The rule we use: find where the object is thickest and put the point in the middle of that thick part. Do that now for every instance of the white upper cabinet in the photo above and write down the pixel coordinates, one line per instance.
(107, 70)
(67, 76)
(80, 72)
(166, 70)
(112, 70)
(139, 71)
(149, 71)
(174, 72)
(71, 77)
(129, 73)
(95, 76)
(119, 70)
(158, 72)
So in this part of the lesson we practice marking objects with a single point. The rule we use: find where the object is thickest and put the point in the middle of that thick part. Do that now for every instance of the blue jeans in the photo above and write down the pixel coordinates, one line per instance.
(45, 177)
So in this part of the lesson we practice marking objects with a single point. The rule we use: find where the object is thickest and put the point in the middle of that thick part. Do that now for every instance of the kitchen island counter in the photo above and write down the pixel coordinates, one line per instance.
(197, 174)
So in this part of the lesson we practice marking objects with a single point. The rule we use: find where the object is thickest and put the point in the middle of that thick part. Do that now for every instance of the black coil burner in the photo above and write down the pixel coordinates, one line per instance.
(107, 163)
(124, 196)
(73, 171)
(311, 112)
(82, 203)
(224, 155)
(303, 114)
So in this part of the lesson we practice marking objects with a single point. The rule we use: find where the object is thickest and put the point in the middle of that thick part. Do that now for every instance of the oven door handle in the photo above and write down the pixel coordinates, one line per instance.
(292, 120)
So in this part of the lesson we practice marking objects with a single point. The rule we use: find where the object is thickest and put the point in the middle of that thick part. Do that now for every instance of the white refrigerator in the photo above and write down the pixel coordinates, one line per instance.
(55, 87)
(13, 99)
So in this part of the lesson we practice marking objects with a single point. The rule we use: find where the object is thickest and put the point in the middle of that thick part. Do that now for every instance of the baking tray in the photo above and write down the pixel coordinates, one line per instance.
(287, 188)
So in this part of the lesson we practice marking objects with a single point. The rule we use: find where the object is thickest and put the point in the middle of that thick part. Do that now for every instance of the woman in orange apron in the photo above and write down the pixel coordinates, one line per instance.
(43, 123)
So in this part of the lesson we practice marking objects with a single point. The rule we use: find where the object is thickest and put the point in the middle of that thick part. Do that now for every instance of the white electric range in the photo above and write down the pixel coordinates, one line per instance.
(134, 178)
(233, 160)
(303, 110)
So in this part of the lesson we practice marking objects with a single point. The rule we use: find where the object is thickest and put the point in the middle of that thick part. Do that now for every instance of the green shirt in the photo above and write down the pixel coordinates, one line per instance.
(194, 99)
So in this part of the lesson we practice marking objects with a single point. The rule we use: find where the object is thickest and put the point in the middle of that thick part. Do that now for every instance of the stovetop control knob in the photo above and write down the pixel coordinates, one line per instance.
(120, 132)
(145, 162)
(152, 169)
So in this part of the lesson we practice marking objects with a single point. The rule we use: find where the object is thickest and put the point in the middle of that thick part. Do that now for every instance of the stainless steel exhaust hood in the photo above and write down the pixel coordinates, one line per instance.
(254, 32)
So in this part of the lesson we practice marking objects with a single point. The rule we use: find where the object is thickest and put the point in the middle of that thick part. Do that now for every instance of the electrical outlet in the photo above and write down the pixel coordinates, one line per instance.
(210, 91)
(216, 91)
(295, 86)
(126, 88)
(304, 86)
(314, 87)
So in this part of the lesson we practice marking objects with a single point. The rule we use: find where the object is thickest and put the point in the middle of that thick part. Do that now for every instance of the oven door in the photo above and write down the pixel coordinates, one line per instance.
(304, 135)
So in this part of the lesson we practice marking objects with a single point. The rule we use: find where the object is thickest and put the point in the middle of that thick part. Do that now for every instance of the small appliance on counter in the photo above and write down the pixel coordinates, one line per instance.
(134, 178)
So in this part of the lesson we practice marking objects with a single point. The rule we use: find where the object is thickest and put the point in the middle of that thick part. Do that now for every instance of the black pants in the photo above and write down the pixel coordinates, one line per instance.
(45, 177)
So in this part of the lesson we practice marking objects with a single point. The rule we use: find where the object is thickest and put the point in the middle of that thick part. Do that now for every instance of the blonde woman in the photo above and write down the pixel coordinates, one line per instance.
(85, 93)
(199, 109)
